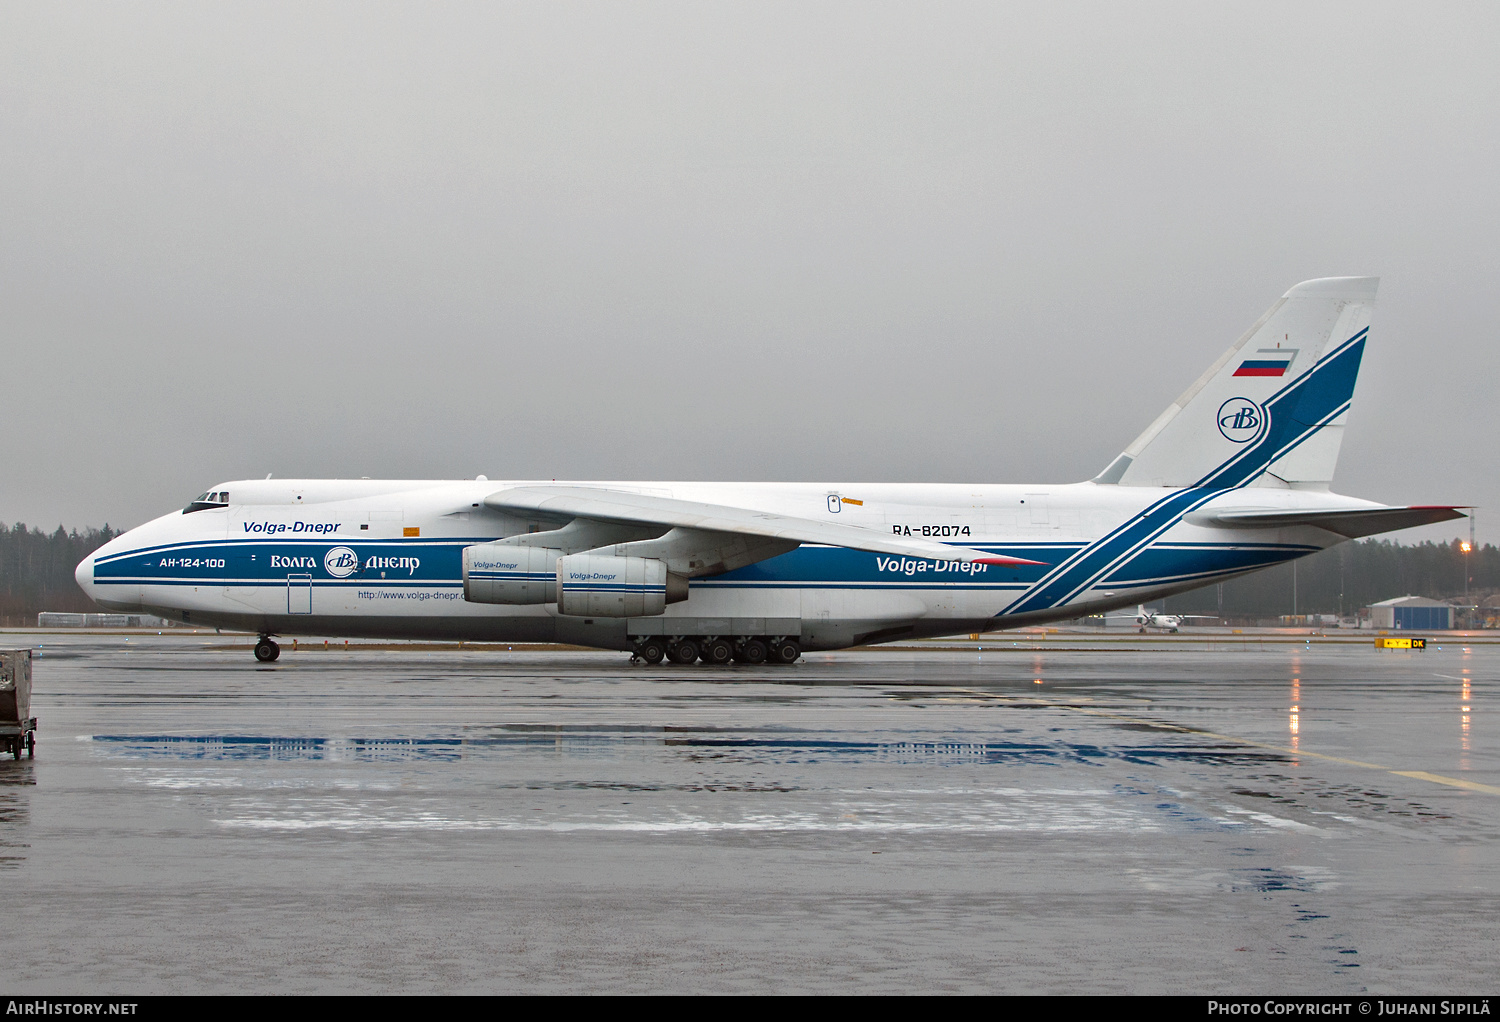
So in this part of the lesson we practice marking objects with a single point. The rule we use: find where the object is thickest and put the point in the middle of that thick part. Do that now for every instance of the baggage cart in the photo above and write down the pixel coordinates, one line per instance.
(17, 725)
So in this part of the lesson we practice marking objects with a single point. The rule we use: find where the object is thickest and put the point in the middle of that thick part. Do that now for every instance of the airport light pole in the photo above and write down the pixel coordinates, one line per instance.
(1342, 550)
(1465, 547)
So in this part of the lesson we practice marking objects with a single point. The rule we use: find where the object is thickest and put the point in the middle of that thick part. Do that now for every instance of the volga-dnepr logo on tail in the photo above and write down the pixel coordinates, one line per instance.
(1240, 420)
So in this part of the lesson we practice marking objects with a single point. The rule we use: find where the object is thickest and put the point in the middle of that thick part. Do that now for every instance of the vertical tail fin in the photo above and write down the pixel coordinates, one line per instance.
(1271, 411)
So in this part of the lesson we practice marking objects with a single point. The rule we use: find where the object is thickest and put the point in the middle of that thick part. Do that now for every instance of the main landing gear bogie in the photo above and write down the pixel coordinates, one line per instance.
(754, 651)
(266, 651)
(718, 651)
(784, 653)
(684, 651)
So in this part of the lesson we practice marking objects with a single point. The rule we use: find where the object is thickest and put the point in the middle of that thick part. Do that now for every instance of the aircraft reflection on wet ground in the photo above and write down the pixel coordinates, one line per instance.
(786, 747)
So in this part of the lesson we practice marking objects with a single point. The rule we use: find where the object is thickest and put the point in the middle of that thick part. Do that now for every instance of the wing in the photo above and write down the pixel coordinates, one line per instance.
(607, 505)
(1351, 523)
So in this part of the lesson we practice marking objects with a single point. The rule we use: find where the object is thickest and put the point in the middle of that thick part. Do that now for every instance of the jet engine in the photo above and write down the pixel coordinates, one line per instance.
(604, 585)
(496, 573)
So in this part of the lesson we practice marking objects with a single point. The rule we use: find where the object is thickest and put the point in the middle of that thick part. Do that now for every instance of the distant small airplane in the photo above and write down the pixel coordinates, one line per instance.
(1166, 622)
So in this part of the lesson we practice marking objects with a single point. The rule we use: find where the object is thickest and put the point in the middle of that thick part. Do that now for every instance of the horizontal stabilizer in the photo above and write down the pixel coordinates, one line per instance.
(1351, 523)
(622, 506)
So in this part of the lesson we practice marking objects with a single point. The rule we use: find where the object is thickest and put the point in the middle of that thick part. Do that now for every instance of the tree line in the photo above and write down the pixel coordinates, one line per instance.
(36, 574)
(36, 570)
(1342, 579)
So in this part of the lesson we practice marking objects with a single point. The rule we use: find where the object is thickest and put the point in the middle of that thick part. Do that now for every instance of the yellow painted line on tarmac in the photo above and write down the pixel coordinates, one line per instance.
(1457, 782)
(1419, 775)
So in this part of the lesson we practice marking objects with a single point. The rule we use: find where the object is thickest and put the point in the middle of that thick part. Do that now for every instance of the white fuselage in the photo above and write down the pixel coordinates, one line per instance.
(384, 558)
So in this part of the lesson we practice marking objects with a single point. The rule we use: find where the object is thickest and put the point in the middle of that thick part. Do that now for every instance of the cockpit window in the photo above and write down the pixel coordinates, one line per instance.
(203, 501)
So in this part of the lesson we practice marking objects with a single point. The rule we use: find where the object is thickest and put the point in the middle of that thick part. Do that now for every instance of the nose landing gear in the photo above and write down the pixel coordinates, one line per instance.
(266, 650)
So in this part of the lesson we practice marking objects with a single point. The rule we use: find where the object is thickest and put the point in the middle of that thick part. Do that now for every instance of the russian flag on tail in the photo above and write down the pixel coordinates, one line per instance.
(1267, 362)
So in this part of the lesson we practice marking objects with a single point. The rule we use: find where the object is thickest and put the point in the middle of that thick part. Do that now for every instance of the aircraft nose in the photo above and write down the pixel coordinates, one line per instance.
(84, 575)
(110, 596)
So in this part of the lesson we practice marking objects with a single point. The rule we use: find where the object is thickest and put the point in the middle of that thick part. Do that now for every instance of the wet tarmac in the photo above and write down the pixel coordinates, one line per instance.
(1169, 817)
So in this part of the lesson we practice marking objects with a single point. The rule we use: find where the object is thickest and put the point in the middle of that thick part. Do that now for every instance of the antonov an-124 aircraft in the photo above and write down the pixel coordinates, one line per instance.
(1233, 477)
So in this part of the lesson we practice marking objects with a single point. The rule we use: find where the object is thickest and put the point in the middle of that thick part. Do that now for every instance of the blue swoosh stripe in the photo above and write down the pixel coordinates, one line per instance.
(1296, 412)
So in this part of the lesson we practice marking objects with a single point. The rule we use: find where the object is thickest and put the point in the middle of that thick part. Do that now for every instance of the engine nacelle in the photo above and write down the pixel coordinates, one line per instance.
(603, 585)
(496, 573)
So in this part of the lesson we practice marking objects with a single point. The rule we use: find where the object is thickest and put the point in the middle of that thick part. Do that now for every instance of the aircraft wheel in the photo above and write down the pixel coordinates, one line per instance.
(652, 651)
(31, 745)
(717, 652)
(787, 652)
(266, 651)
(685, 652)
(754, 652)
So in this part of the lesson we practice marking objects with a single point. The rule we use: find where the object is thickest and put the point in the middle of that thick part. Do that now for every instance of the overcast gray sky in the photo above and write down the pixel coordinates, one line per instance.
(912, 242)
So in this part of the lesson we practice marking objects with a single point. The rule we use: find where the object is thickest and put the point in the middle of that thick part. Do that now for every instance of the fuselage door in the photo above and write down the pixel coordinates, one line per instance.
(299, 594)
